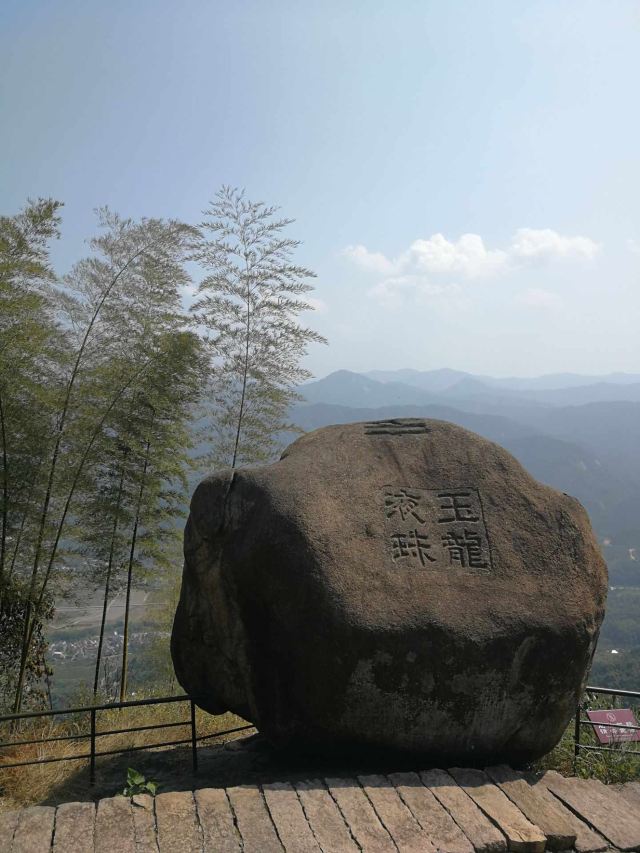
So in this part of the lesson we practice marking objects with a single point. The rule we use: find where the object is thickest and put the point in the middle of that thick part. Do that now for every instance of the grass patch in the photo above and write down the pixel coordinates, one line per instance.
(22, 786)
(610, 767)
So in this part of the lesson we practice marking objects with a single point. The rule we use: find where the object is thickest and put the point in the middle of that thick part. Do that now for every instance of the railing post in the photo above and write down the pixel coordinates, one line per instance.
(576, 738)
(194, 749)
(92, 760)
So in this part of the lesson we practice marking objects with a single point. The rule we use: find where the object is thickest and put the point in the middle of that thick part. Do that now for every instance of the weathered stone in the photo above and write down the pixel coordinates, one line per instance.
(289, 818)
(144, 823)
(216, 819)
(34, 830)
(441, 828)
(630, 791)
(522, 836)
(598, 806)
(397, 819)
(75, 828)
(537, 805)
(325, 818)
(481, 832)
(177, 823)
(114, 826)
(253, 820)
(587, 839)
(363, 821)
(400, 584)
(8, 823)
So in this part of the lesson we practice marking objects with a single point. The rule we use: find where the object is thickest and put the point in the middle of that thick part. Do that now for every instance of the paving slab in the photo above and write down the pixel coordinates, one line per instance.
(436, 811)
(522, 835)
(364, 824)
(8, 824)
(144, 823)
(537, 805)
(395, 816)
(289, 818)
(114, 826)
(177, 822)
(34, 831)
(75, 827)
(440, 827)
(254, 820)
(325, 818)
(600, 807)
(219, 832)
(485, 837)
(587, 839)
(630, 791)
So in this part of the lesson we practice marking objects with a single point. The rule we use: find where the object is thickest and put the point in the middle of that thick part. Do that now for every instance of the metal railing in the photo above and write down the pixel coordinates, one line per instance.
(93, 734)
(580, 722)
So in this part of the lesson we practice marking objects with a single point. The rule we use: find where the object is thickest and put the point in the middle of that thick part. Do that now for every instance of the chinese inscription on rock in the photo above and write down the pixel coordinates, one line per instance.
(436, 528)
(397, 426)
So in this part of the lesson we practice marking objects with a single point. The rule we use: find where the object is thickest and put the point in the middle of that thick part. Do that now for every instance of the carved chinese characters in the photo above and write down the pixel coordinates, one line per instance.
(436, 529)
(397, 426)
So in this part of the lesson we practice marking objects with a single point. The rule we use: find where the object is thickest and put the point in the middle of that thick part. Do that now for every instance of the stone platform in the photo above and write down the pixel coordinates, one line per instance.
(454, 811)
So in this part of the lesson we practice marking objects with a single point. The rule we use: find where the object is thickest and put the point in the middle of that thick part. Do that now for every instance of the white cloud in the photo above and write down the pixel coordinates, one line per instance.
(634, 246)
(546, 244)
(540, 299)
(467, 257)
(391, 292)
(430, 266)
(372, 261)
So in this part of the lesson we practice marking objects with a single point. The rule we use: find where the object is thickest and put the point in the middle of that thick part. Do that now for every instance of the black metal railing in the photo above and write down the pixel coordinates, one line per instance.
(93, 734)
(580, 722)
(14, 720)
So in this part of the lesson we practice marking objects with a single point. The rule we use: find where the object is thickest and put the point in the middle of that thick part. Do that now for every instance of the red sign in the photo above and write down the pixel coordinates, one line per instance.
(611, 726)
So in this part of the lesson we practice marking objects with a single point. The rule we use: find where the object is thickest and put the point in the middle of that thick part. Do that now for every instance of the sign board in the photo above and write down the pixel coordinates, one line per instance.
(610, 726)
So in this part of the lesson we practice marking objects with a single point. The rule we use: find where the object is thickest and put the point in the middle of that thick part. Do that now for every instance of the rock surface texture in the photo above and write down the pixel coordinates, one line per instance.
(398, 584)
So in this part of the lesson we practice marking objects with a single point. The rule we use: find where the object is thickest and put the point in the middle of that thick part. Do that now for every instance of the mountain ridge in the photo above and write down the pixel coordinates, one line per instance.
(345, 387)
(445, 377)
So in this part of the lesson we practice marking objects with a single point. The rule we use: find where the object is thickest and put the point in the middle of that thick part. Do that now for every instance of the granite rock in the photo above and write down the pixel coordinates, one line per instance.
(397, 584)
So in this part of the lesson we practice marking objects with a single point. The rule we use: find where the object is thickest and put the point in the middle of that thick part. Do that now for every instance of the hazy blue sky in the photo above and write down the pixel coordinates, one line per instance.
(465, 175)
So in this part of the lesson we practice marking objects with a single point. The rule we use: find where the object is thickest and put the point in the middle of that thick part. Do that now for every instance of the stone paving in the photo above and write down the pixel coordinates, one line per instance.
(454, 811)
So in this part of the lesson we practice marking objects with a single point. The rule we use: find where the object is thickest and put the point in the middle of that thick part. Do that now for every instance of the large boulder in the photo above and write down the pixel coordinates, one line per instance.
(398, 584)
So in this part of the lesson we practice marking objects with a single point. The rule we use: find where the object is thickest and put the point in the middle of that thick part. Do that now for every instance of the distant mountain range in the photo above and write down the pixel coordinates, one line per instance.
(441, 380)
(407, 387)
